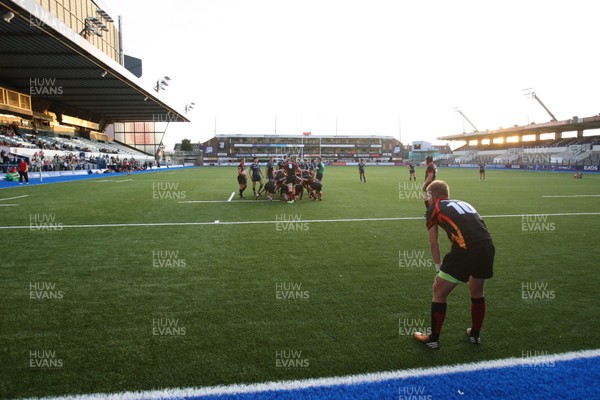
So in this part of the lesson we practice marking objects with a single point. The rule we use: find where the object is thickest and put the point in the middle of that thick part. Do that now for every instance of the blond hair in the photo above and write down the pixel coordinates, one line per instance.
(438, 189)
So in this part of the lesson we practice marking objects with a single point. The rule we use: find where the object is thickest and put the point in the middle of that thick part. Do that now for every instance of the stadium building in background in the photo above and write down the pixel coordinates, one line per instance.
(65, 80)
(230, 148)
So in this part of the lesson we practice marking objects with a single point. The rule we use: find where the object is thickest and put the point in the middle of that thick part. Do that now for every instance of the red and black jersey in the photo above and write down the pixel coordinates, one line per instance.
(280, 176)
(290, 168)
(463, 225)
(241, 168)
(430, 170)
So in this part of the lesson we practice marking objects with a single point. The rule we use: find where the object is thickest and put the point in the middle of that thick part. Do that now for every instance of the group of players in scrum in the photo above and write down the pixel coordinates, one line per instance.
(290, 177)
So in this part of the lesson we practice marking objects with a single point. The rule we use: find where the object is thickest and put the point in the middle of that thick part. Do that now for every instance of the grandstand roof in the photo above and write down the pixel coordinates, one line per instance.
(569, 125)
(51, 50)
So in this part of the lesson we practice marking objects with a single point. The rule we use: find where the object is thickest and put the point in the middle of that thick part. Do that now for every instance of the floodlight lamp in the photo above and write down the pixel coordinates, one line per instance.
(8, 16)
(104, 15)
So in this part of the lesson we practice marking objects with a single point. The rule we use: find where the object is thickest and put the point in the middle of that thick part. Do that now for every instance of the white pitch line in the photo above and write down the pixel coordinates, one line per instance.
(204, 201)
(8, 205)
(231, 197)
(223, 201)
(575, 195)
(12, 198)
(348, 380)
(307, 221)
(115, 181)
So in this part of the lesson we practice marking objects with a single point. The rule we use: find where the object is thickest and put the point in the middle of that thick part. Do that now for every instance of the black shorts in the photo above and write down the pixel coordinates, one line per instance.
(270, 188)
(256, 178)
(291, 179)
(462, 264)
(319, 177)
(241, 179)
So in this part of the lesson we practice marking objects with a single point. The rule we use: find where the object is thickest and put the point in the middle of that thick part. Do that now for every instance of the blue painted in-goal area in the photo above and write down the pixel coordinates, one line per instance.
(574, 375)
(569, 379)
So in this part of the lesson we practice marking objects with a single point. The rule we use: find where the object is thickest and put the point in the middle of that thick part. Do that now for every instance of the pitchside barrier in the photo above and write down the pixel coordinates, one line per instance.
(58, 174)
(552, 168)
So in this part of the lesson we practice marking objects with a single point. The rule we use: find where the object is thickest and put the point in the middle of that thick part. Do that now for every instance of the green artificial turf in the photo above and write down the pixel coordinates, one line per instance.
(127, 295)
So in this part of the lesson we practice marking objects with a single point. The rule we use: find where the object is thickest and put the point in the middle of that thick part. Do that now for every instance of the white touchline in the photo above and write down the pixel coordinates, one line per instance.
(226, 201)
(306, 220)
(334, 381)
(8, 205)
(12, 198)
(231, 197)
(115, 181)
(205, 201)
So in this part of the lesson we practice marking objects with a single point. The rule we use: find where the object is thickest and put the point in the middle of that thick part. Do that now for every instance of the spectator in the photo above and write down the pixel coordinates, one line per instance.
(23, 171)
(12, 175)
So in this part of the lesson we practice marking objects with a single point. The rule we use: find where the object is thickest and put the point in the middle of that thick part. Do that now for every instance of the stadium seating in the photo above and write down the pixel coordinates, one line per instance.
(65, 153)
(566, 151)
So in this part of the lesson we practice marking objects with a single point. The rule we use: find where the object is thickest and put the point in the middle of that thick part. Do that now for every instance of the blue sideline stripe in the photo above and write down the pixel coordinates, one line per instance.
(574, 379)
(34, 177)
(571, 375)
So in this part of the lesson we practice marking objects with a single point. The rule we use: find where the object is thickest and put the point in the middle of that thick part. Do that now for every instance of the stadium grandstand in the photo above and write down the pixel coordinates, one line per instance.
(70, 99)
(341, 149)
(572, 144)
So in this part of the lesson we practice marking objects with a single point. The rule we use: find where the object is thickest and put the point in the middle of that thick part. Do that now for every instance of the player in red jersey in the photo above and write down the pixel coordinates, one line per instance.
(290, 167)
(471, 259)
(241, 177)
(430, 172)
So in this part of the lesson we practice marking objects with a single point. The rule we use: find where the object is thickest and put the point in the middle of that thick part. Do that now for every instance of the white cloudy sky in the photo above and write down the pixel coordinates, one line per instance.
(381, 67)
